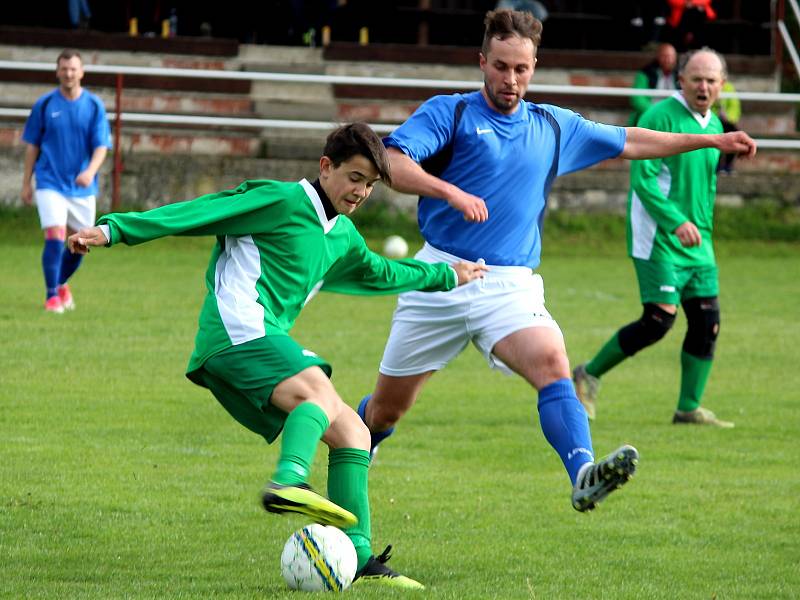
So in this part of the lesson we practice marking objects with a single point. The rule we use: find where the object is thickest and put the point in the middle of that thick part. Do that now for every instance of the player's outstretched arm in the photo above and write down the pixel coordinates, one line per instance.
(737, 142)
(410, 178)
(643, 143)
(80, 242)
(468, 271)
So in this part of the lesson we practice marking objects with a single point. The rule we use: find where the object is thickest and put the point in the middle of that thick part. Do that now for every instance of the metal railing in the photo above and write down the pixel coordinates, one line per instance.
(786, 36)
(450, 84)
(447, 84)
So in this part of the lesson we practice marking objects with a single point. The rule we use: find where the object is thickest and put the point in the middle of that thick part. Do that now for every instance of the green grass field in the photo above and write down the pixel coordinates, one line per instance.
(120, 479)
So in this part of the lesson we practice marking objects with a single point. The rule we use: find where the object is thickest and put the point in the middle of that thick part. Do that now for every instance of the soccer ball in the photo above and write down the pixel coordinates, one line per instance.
(318, 558)
(395, 247)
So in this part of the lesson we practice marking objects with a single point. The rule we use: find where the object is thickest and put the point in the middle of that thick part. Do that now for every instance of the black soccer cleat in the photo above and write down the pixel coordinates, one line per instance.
(376, 572)
(598, 480)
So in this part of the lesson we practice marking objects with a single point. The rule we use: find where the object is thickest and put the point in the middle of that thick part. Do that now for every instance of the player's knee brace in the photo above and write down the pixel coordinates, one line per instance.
(653, 325)
(703, 320)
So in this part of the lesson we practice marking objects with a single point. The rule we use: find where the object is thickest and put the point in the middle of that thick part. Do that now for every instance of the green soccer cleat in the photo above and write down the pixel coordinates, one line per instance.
(376, 572)
(586, 387)
(301, 499)
(598, 480)
(700, 416)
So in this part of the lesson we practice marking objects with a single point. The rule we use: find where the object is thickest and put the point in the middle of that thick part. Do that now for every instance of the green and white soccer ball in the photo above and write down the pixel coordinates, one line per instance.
(395, 246)
(318, 558)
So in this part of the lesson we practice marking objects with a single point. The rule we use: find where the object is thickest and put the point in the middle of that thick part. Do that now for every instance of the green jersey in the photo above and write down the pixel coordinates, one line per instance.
(275, 246)
(666, 192)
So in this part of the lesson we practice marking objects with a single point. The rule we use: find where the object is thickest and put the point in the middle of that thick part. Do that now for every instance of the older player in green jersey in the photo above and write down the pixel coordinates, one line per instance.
(670, 222)
(276, 243)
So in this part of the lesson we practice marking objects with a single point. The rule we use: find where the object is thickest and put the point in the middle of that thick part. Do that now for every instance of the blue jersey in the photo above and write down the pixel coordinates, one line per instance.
(508, 160)
(66, 132)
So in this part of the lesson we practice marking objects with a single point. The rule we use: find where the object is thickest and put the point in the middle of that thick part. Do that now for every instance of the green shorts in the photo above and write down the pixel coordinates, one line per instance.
(243, 377)
(665, 283)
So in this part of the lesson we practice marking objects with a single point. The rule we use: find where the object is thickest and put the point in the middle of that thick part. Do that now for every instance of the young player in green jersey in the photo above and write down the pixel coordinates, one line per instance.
(670, 221)
(277, 242)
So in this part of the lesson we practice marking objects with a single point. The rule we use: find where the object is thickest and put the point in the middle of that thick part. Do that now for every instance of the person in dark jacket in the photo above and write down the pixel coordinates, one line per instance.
(660, 74)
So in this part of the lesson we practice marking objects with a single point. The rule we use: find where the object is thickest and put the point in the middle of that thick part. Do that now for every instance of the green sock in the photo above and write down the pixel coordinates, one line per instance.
(302, 431)
(347, 486)
(694, 375)
(607, 358)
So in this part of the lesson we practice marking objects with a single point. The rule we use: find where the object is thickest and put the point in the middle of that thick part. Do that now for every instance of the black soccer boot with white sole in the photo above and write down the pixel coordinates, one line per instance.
(597, 480)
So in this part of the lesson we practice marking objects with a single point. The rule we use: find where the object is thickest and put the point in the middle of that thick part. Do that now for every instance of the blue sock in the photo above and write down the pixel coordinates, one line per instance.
(565, 425)
(51, 265)
(377, 437)
(69, 264)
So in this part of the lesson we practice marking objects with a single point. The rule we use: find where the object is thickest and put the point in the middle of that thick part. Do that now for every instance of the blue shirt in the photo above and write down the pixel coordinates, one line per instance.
(67, 133)
(508, 160)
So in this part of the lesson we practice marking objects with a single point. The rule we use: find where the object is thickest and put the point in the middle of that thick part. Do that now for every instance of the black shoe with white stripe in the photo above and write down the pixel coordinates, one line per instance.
(598, 480)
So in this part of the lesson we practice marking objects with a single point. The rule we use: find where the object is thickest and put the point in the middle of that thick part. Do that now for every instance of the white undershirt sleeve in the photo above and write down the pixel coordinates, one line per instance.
(106, 232)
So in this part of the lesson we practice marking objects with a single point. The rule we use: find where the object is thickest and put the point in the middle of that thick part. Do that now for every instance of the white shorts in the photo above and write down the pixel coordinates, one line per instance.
(57, 210)
(429, 329)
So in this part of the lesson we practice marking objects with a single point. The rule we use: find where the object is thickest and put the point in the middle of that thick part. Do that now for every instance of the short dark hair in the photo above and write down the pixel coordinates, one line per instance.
(503, 23)
(354, 139)
(68, 53)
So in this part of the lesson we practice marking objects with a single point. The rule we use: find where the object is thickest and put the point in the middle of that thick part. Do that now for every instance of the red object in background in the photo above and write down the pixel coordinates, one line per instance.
(678, 6)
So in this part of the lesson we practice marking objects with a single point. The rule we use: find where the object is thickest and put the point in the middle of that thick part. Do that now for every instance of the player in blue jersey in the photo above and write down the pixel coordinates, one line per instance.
(67, 137)
(482, 164)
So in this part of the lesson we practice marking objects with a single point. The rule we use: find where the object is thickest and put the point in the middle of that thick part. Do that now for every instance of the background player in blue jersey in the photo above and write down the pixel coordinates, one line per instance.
(483, 164)
(67, 138)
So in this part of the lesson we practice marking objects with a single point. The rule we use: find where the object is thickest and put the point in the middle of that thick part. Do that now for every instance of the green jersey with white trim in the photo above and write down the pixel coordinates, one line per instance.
(667, 192)
(274, 247)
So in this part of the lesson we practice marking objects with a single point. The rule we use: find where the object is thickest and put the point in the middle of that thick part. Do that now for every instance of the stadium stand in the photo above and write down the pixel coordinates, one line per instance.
(741, 27)
(190, 159)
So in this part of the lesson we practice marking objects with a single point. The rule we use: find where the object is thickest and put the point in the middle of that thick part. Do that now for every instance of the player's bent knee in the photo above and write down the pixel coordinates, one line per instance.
(357, 430)
(555, 363)
(703, 323)
(348, 431)
(653, 325)
(385, 415)
(309, 385)
(393, 397)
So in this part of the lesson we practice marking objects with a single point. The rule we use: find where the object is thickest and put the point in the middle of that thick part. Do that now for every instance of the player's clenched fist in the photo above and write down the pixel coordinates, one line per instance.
(468, 271)
(79, 243)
